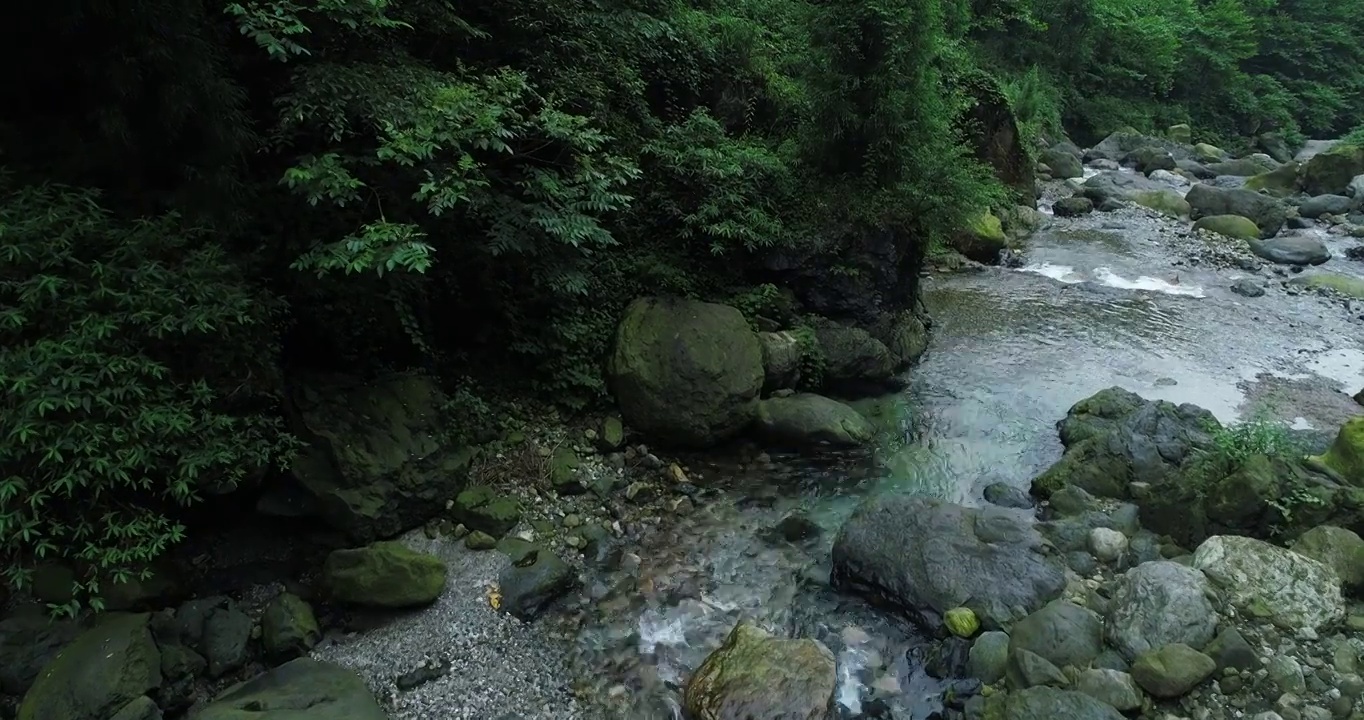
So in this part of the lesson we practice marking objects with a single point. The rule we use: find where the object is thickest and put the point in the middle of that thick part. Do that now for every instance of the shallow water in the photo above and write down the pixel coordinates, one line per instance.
(1101, 300)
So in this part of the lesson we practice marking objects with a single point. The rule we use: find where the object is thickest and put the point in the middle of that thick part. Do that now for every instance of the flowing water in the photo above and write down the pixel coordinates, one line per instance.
(1101, 300)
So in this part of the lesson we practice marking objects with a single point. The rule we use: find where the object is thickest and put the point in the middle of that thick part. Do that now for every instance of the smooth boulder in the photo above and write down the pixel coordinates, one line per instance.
(1233, 226)
(385, 574)
(1330, 172)
(1292, 250)
(925, 556)
(1291, 590)
(684, 372)
(105, 668)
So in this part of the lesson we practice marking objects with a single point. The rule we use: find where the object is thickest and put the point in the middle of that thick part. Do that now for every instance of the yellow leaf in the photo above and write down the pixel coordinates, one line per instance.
(494, 597)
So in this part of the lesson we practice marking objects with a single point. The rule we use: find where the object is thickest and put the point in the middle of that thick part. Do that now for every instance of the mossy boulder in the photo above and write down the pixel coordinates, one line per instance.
(805, 419)
(1345, 457)
(982, 239)
(1242, 167)
(1233, 226)
(564, 475)
(1330, 172)
(1340, 549)
(1268, 213)
(853, 361)
(684, 372)
(1280, 182)
(101, 671)
(756, 675)
(288, 627)
(385, 574)
(1180, 133)
(1167, 202)
(1205, 153)
(1347, 285)
(1064, 164)
(481, 508)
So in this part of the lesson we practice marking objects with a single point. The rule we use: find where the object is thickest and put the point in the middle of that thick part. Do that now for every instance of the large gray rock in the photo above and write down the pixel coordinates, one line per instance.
(1291, 590)
(1158, 603)
(302, 689)
(1061, 632)
(1118, 185)
(925, 556)
(377, 459)
(854, 360)
(1315, 207)
(686, 373)
(1292, 250)
(1268, 214)
(29, 639)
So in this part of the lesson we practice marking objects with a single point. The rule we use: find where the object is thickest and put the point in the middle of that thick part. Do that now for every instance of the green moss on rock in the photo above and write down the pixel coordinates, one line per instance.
(756, 675)
(1167, 202)
(1233, 226)
(103, 669)
(385, 574)
(1346, 455)
(482, 508)
(1330, 172)
(1280, 182)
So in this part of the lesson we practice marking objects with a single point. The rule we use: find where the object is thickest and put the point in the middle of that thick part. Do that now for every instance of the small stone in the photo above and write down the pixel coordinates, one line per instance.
(1171, 670)
(1106, 544)
(479, 540)
(962, 622)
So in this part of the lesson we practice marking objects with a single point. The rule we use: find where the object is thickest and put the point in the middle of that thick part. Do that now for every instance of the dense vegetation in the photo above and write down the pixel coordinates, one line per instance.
(200, 198)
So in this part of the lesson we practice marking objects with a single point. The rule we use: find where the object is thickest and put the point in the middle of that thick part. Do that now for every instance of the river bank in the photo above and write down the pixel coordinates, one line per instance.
(626, 568)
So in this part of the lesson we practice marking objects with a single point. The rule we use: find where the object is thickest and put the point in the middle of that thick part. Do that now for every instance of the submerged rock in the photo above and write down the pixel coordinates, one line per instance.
(756, 675)
(925, 556)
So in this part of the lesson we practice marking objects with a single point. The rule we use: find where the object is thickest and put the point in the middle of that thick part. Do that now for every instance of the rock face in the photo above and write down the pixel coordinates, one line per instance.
(1158, 603)
(756, 675)
(376, 461)
(385, 574)
(1267, 213)
(1292, 590)
(302, 689)
(804, 420)
(105, 668)
(924, 557)
(686, 373)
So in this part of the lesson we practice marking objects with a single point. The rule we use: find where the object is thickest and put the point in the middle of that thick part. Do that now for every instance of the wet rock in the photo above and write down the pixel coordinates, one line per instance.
(1247, 288)
(1116, 185)
(1320, 205)
(1266, 212)
(1028, 669)
(989, 657)
(1242, 167)
(1291, 250)
(754, 674)
(1045, 703)
(797, 527)
(1168, 202)
(375, 461)
(302, 689)
(1336, 283)
(482, 508)
(1171, 670)
(982, 239)
(1072, 206)
(565, 471)
(1229, 225)
(1061, 632)
(925, 557)
(1158, 603)
(1205, 153)
(1230, 650)
(1112, 687)
(1292, 590)
(1286, 675)
(687, 373)
(105, 668)
(1005, 495)
(534, 580)
(385, 574)
(805, 420)
(142, 708)
(288, 627)
(479, 540)
(1340, 549)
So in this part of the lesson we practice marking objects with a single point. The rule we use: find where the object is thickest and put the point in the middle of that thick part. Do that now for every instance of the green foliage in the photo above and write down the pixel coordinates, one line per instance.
(1259, 435)
(133, 383)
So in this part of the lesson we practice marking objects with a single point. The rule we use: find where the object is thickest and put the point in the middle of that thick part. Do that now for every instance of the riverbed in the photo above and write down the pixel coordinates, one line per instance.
(1125, 298)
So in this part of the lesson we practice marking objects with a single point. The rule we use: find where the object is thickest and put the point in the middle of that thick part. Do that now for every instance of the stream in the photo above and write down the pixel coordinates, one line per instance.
(1105, 299)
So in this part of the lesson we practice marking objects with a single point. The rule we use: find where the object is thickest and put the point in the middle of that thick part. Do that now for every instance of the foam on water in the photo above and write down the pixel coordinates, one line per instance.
(1105, 276)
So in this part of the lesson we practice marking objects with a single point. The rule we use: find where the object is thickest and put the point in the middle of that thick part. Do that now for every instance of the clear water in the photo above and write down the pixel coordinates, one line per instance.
(1101, 300)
